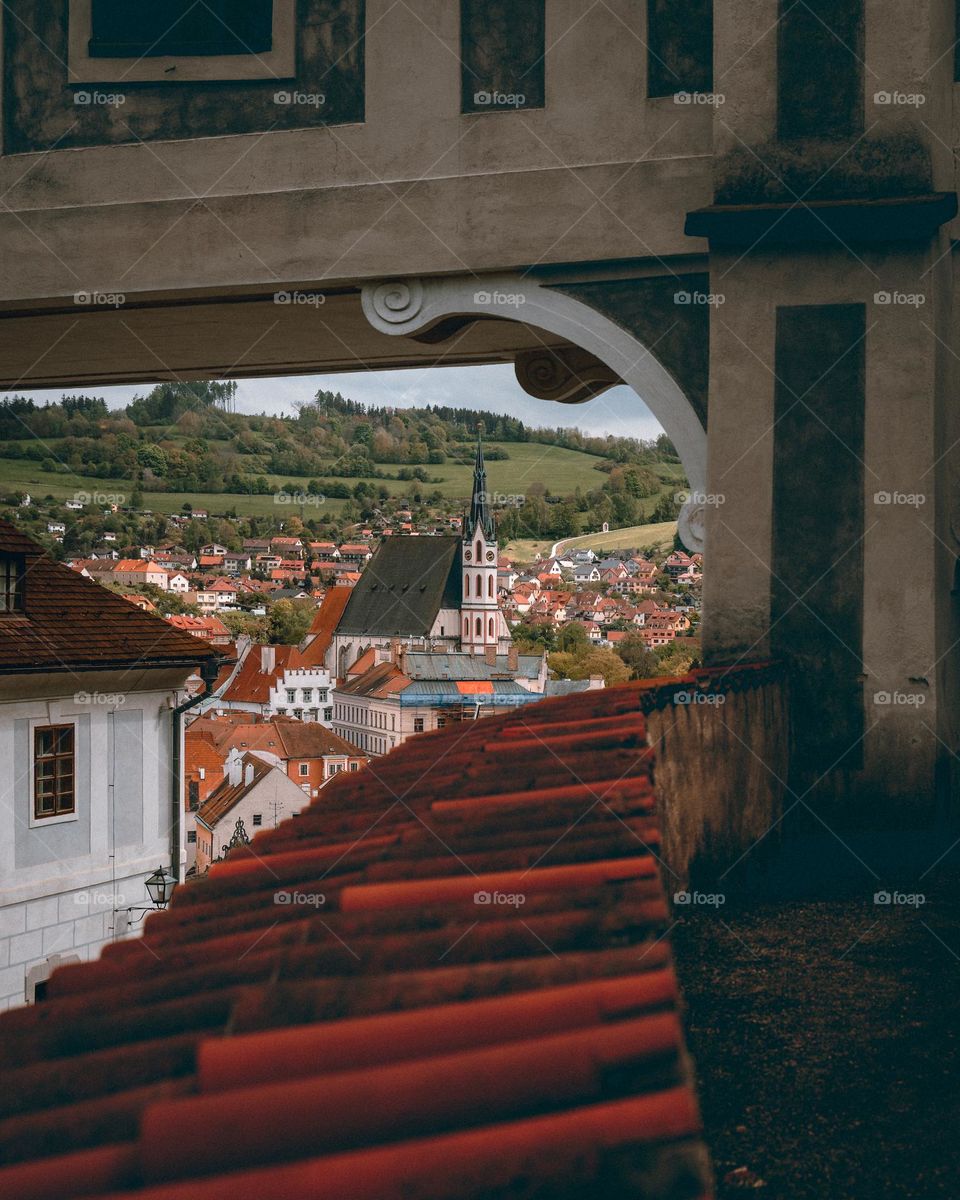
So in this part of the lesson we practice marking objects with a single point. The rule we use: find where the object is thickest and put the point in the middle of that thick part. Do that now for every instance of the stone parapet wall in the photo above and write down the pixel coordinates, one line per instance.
(721, 740)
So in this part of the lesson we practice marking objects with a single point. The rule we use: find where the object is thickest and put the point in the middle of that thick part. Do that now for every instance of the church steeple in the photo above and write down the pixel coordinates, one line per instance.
(481, 515)
(482, 626)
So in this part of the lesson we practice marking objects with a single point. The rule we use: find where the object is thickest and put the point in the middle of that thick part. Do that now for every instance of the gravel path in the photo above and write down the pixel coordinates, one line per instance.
(825, 1036)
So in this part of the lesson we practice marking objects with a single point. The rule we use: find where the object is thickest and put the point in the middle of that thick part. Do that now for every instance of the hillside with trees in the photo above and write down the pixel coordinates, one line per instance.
(336, 461)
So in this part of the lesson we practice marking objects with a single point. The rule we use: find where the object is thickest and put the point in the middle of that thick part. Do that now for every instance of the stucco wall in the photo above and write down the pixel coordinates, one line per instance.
(65, 888)
(41, 109)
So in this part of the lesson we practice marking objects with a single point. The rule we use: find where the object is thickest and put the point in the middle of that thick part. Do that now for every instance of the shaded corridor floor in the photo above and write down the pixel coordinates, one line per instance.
(826, 1043)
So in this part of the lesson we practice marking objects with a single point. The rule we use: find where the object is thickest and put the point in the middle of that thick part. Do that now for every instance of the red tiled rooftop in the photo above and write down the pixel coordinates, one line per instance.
(70, 621)
(403, 1036)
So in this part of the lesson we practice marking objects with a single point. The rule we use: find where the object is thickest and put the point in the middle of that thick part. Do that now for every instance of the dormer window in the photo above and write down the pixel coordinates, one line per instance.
(12, 573)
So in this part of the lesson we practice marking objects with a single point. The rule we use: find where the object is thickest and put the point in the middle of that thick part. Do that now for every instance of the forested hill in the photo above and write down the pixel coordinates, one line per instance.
(184, 438)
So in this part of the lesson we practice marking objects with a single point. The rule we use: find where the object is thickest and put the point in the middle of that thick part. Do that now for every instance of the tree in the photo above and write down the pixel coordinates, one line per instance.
(602, 662)
(572, 639)
(153, 458)
(643, 662)
(256, 628)
(289, 621)
(534, 637)
(561, 664)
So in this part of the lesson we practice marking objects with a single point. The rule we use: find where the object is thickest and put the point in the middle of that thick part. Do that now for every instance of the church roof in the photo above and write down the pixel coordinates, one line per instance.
(404, 586)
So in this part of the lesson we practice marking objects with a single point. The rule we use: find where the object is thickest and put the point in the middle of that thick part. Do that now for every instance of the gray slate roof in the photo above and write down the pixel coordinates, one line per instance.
(565, 687)
(404, 586)
(468, 666)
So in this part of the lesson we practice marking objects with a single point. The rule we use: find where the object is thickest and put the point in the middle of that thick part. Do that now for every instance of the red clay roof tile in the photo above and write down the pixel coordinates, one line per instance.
(398, 1034)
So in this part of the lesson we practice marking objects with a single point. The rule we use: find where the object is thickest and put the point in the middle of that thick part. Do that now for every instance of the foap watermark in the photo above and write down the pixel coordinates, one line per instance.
(499, 99)
(312, 299)
(301, 899)
(303, 99)
(106, 699)
(506, 500)
(500, 299)
(900, 299)
(711, 99)
(103, 499)
(900, 899)
(508, 899)
(900, 499)
(714, 299)
(699, 698)
(299, 499)
(100, 299)
(899, 99)
(899, 699)
(85, 99)
(708, 499)
(705, 899)
(99, 899)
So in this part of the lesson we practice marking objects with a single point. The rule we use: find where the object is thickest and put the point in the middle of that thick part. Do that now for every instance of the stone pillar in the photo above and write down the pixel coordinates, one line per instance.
(833, 437)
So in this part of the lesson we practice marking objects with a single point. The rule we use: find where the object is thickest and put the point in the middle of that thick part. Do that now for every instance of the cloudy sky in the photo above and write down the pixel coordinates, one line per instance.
(619, 411)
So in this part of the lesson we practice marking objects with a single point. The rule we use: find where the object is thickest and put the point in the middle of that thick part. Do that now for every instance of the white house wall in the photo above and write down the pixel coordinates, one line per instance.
(65, 887)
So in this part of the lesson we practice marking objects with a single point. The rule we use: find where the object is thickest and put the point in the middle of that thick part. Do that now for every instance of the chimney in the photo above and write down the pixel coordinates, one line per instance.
(596, 681)
(268, 659)
(396, 650)
(248, 774)
(234, 767)
(513, 658)
(490, 655)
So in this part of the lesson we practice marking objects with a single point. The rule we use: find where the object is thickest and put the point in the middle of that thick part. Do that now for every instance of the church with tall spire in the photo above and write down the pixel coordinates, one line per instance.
(482, 624)
(429, 593)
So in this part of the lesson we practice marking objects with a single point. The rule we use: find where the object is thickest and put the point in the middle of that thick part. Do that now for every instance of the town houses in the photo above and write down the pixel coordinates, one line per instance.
(216, 746)
(608, 597)
(412, 629)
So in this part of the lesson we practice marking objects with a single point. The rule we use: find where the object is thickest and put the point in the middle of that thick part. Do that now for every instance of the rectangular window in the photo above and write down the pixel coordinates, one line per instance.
(291, 696)
(418, 724)
(502, 52)
(441, 721)
(298, 713)
(328, 714)
(308, 695)
(12, 572)
(820, 52)
(53, 771)
(173, 27)
(193, 793)
(353, 766)
(258, 818)
(679, 46)
(323, 695)
(191, 837)
(304, 769)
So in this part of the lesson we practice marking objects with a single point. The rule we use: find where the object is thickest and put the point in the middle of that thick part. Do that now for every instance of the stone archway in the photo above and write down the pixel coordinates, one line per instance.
(601, 353)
